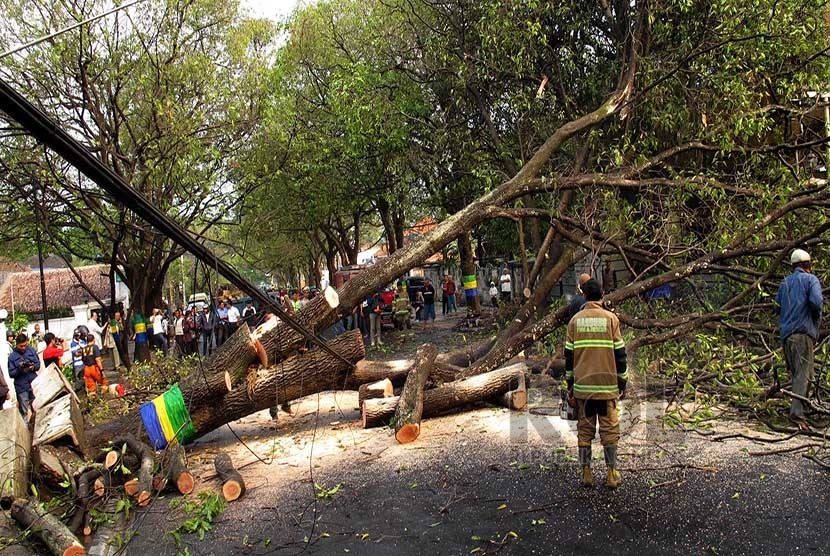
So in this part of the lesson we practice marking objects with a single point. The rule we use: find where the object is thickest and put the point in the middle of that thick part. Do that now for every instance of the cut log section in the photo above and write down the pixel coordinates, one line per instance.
(233, 487)
(379, 412)
(55, 535)
(83, 495)
(411, 401)
(53, 464)
(515, 399)
(380, 389)
(112, 459)
(132, 487)
(176, 469)
(366, 372)
(143, 485)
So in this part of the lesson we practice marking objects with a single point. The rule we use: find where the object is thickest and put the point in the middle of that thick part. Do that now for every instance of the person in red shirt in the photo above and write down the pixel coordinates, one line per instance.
(451, 289)
(54, 350)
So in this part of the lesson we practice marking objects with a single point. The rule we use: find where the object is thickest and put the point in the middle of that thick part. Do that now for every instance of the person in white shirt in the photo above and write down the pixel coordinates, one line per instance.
(249, 313)
(95, 329)
(233, 318)
(494, 295)
(506, 284)
(159, 331)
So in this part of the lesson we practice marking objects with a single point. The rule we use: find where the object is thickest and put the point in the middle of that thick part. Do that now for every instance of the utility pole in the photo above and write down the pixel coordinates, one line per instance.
(38, 208)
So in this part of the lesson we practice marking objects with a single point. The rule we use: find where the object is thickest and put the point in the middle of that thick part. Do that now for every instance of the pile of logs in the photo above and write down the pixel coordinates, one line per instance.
(239, 380)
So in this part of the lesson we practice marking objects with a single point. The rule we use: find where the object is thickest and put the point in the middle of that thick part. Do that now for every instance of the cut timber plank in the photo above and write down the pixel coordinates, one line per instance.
(60, 418)
(15, 448)
(48, 385)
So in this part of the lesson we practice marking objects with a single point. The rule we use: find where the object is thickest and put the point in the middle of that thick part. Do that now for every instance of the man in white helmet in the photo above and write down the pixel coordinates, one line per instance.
(799, 302)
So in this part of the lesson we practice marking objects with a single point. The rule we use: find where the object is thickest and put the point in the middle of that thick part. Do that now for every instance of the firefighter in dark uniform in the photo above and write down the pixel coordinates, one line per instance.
(595, 370)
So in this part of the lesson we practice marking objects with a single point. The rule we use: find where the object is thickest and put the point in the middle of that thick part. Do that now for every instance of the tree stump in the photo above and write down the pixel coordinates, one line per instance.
(55, 535)
(411, 401)
(233, 486)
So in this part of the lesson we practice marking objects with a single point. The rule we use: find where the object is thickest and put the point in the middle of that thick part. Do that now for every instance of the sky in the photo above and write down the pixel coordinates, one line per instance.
(274, 9)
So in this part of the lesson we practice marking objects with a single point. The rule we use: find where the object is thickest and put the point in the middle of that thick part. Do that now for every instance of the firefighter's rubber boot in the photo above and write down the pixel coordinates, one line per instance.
(585, 463)
(614, 478)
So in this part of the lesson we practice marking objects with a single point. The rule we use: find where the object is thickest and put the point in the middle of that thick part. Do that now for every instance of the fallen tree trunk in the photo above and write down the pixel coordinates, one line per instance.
(467, 355)
(396, 371)
(452, 395)
(366, 372)
(298, 376)
(233, 486)
(55, 535)
(233, 357)
(380, 389)
(411, 401)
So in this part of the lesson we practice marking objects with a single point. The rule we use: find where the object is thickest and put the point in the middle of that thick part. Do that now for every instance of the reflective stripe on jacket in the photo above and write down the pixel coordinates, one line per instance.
(595, 365)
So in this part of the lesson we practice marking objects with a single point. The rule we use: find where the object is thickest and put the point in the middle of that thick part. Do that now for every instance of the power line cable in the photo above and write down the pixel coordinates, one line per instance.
(48, 132)
(67, 29)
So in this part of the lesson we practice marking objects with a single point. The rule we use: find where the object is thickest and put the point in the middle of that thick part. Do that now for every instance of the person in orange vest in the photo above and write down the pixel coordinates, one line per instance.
(93, 367)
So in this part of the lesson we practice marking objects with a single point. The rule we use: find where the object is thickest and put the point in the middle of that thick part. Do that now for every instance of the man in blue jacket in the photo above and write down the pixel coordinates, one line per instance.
(23, 367)
(799, 301)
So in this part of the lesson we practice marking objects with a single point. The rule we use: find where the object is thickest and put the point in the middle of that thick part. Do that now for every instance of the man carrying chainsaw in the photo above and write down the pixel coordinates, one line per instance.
(595, 371)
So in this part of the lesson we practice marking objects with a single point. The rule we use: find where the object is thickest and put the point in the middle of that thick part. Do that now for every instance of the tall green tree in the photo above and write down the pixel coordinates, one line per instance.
(165, 93)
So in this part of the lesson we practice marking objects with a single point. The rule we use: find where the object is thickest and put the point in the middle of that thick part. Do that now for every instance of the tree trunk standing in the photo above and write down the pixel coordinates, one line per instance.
(385, 211)
(399, 220)
(535, 228)
(314, 274)
(520, 229)
(55, 535)
(297, 376)
(378, 412)
(468, 268)
(411, 401)
(354, 247)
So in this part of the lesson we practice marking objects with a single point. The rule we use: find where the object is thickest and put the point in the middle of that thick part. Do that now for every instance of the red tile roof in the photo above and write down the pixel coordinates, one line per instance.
(62, 288)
